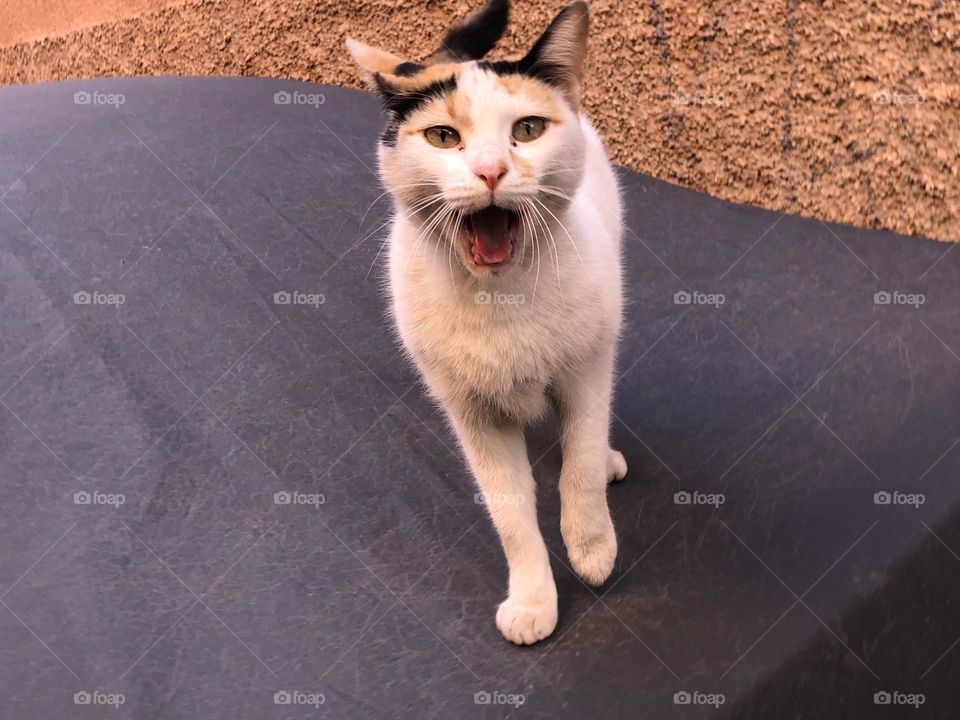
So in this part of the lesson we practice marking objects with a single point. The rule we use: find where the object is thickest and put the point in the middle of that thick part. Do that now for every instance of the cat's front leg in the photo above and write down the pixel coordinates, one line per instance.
(497, 455)
(588, 465)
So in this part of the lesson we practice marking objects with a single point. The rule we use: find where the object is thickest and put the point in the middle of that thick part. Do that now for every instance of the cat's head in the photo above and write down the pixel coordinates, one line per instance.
(484, 155)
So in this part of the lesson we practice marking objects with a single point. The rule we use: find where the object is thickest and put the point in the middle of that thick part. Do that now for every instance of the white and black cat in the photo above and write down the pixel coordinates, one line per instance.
(505, 277)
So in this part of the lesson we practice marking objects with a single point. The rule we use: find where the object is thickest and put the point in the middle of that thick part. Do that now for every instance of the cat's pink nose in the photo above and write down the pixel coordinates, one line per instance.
(491, 173)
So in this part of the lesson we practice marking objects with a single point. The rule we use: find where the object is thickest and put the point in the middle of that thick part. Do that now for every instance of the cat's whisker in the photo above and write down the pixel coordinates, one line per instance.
(527, 224)
(536, 280)
(375, 257)
(532, 240)
(405, 186)
(421, 205)
(450, 251)
(441, 231)
(411, 213)
(433, 214)
(367, 211)
(531, 228)
(378, 228)
(557, 193)
(424, 228)
(438, 218)
(535, 220)
(533, 223)
(451, 246)
(451, 217)
(564, 228)
(554, 249)
(561, 170)
(426, 202)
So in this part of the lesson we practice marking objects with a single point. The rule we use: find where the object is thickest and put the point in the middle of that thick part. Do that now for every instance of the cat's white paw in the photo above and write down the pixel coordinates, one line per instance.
(593, 551)
(529, 619)
(616, 465)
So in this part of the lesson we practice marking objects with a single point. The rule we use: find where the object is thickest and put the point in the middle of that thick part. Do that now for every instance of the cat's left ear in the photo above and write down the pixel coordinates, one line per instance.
(558, 56)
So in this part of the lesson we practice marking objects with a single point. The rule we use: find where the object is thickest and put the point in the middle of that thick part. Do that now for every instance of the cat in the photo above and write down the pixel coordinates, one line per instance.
(505, 278)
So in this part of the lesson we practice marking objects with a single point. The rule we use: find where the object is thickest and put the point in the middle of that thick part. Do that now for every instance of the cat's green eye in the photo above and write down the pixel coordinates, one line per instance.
(528, 128)
(442, 136)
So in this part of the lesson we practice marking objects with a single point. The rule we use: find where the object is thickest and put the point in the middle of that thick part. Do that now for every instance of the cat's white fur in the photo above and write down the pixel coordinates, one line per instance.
(495, 367)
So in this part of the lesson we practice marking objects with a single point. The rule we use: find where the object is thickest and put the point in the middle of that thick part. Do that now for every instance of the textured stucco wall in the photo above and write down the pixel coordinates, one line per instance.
(26, 20)
(847, 111)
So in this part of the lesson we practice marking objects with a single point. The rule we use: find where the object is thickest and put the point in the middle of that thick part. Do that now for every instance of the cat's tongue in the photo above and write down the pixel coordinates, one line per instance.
(490, 242)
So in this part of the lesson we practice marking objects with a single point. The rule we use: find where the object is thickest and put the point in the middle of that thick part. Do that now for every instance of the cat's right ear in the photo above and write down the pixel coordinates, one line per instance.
(374, 63)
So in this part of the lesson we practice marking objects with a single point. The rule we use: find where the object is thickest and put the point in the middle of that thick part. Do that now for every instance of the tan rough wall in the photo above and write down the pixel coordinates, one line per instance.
(28, 20)
(847, 111)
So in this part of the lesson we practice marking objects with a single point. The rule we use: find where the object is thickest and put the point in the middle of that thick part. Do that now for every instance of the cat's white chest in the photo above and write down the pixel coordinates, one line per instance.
(494, 354)
(501, 352)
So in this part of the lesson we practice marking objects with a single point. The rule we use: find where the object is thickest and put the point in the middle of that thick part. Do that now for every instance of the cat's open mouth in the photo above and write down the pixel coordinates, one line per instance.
(492, 234)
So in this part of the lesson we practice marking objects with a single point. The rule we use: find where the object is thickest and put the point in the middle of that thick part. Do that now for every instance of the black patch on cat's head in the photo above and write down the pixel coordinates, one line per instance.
(502, 67)
(406, 69)
(546, 61)
(529, 66)
(400, 103)
(475, 35)
(389, 135)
